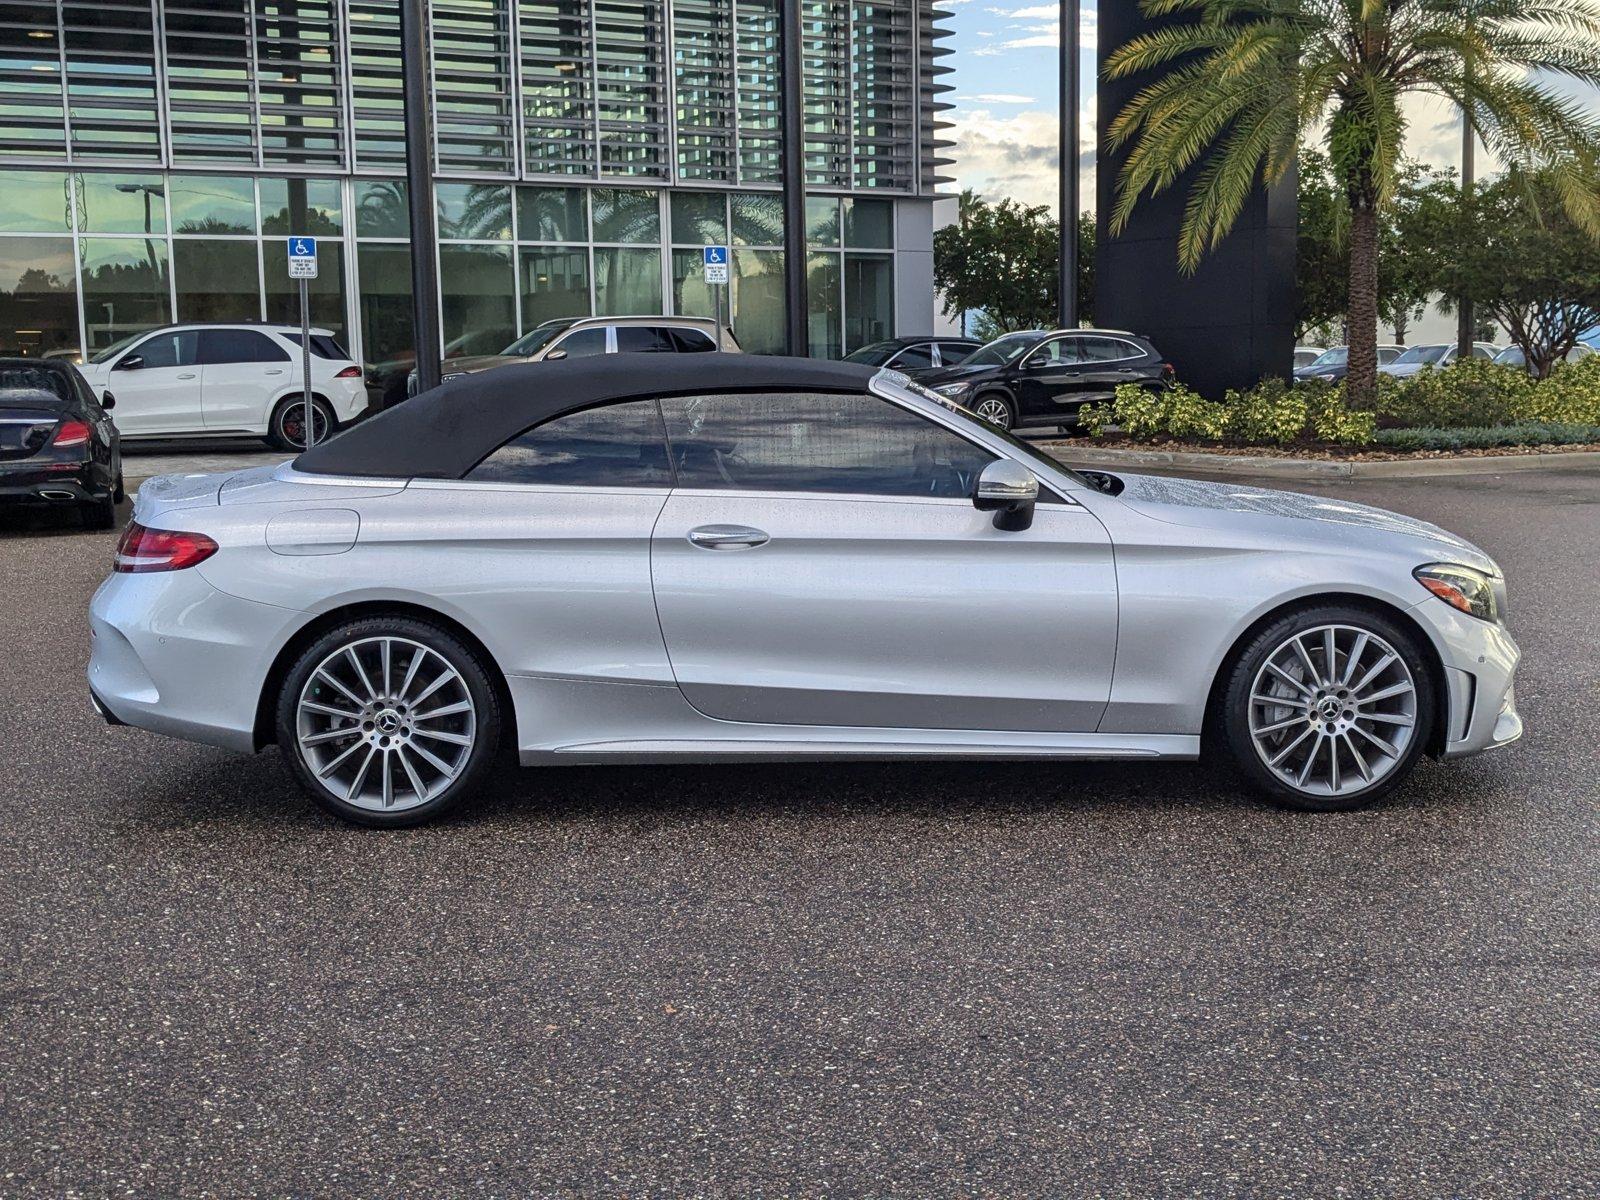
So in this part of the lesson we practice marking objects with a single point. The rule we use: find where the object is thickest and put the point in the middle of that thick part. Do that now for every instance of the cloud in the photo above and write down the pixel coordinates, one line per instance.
(1039, 27)
(996, 98)
(1015, 155)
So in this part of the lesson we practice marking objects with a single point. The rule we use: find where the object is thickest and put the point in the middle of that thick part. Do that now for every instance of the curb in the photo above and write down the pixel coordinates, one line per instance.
(1314, 468)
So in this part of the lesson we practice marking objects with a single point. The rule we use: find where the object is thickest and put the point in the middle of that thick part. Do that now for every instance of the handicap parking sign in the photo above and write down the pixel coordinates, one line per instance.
(302, 258)
(715, 259)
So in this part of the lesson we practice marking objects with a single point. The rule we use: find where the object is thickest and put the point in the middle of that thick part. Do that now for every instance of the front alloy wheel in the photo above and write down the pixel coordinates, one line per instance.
(995, 409)
(388, 721)
(1329, 710)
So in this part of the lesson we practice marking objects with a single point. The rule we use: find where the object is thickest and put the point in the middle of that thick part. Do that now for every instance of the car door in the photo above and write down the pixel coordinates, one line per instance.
(587, 342)
(1048, 380)
(916, 357)
(156, 385)
(820, 562)
(243, 371)
(1105, 364)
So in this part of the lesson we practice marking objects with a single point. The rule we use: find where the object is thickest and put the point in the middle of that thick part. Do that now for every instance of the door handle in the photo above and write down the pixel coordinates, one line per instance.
(275, 371)
(727, 537)
(189, 375)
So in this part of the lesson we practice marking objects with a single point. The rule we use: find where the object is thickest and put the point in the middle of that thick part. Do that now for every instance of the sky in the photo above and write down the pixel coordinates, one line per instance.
(1005, 73)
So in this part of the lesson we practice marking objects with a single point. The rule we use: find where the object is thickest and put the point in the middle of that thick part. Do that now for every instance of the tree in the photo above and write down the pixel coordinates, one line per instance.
(1003, 259)
(1246, 83)
(1523, 261)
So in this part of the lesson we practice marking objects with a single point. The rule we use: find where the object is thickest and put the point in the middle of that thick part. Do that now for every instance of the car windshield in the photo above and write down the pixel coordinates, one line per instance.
(537, 338)
(117, 347)
(1511, 356)
(1337, 357)
(892, 383)
(874, 355)
(1421, 354)
(1004, 350)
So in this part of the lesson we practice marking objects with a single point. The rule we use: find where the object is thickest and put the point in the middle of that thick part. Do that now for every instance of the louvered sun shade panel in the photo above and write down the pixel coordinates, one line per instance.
(703, 48)
(300, 80)
(757, 75)
(555, 40)
(631, 87)
(826, 40)
(210, 97)
(472, 86)
(376, 97)
(32, 103)
(883, 91)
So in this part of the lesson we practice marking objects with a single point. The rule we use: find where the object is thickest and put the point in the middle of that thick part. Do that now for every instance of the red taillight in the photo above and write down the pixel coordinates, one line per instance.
(71, 433)
(349, 373)
(144, 549)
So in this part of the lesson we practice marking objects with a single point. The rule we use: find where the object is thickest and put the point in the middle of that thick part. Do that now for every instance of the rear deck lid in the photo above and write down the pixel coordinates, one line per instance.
(28, 418)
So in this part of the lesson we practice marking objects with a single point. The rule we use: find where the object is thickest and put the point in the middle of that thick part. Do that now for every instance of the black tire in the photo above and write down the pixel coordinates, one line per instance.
(120, 493)
(476, 676)
(287, 417)
(99, 514)
(1241, 678)
(1001, 404)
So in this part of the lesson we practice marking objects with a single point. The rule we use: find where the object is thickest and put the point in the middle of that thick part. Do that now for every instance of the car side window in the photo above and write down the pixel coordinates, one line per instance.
(1480, 352)
(913, 357)
(1063, 351)
(178, 348)
(584, 343)
(952, 353)
(643, 339)
(691, 341)
(618, 445)
(1104, 349)
(218, 346)
(806, 442)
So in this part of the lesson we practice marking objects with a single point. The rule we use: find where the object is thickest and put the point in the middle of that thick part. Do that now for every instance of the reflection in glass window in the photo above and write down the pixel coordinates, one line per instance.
(554, 281)
(209, 88)
(326, 290)
(757, 218)
(626, 281)
(122, 204)
(702, 42)
(758, 303)
(692, 296)
(124, 283)
(620, 445)
(472, 87)
(309, 206)
(547, 214)
(381, 208)
(699, 219)
(822, 220)
(868, 299)
(630, 86)
(822, 296)
(757, 52)
(38, 296)
(474, 210)
(34, 202)
(167, 349)
(844, 444)
(385, 301)
(626, 215)
(212, 203)
(217, 279)
(557, 76)
(868, 224)
(480, 312)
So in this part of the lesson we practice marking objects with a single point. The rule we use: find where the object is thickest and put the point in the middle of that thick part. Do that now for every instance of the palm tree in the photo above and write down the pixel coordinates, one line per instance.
(1247, 82)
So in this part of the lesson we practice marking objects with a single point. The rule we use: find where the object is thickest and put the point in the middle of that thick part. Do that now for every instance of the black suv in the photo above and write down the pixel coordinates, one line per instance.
(1042, 377)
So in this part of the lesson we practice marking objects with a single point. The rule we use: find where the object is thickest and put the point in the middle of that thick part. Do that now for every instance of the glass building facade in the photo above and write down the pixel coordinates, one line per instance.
(157, 152)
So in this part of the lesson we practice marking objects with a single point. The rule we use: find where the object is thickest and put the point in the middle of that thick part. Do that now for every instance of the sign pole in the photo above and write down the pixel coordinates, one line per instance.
(715, 260)
(305, 358)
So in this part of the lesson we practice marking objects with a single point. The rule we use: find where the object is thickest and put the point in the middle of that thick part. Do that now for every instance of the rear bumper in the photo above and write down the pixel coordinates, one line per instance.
(49, 483)
(171, 654)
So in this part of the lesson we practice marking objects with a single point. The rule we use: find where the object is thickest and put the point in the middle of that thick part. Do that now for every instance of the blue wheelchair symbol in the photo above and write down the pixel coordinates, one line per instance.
(302, 247)
(715, 256)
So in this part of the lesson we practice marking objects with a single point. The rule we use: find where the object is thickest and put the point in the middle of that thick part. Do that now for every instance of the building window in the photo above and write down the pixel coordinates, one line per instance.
(472, 85)
(703, 49)
(547, 214)
(125, 287)
(557, 69)
(212, 204)
(627, 281)
(868, 299)
(38, 296)
(554, 282)
(309, 206)
(35, 202)
(478, 299)
(627, 215)
(381, 209)
(757, 287)
(759, 122)
(122, 203)
(387, 349)
(473, 211)
(210, 94)
(325, 292)
(217, 279)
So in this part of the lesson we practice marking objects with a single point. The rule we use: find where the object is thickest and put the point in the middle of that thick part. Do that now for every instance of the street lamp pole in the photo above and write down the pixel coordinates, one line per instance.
(1067, 284)
(792, 122)
(419, 192)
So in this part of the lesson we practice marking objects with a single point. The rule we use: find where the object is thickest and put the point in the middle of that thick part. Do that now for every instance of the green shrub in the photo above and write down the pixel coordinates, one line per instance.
(1187, 415)
(1570, 395)
(1332, 421)
(1271, 413)
(1471, 393)
(1526, 433)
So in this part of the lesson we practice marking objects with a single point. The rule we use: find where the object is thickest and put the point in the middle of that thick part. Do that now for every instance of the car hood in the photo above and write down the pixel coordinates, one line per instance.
(468, 363)
(1352, 526)
(933, 376)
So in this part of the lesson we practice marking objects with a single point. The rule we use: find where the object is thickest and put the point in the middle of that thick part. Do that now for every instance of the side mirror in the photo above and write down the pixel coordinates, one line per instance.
(1009, 490)
(555, 356)
(131, 363)
(108, 402)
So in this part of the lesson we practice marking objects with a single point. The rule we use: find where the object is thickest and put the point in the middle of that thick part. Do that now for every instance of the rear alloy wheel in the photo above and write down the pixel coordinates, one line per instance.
(99, 514)
(1329, 709)
(288, 430)
(388, 721)
(995, 409)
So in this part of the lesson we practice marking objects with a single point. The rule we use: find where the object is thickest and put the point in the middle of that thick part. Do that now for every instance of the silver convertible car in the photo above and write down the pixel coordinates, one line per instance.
(651, 559)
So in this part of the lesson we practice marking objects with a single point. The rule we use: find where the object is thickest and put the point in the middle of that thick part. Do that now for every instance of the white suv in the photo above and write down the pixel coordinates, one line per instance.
(221, 380)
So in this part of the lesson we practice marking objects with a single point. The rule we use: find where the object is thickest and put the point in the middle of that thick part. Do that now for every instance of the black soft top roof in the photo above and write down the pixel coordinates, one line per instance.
(444, 433)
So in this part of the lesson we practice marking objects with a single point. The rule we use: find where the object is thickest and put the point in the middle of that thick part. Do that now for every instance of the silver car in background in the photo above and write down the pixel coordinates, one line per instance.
(676, 558)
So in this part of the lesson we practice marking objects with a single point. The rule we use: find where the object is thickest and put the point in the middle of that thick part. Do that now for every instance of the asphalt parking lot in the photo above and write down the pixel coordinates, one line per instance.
(927, 980)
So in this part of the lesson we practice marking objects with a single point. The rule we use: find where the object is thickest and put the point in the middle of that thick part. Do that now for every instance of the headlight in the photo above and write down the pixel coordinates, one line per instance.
(1461, 587)
(954, 389)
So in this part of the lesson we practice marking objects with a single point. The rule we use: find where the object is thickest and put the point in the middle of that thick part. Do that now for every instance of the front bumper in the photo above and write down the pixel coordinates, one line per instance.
(1480, 665)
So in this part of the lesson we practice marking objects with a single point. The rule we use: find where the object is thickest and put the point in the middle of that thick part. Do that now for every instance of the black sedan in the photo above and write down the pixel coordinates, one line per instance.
(57, 444)
(1042, 377)
(914, 355)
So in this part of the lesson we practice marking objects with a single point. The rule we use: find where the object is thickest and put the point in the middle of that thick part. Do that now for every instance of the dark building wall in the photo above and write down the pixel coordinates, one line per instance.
(1232, 321)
